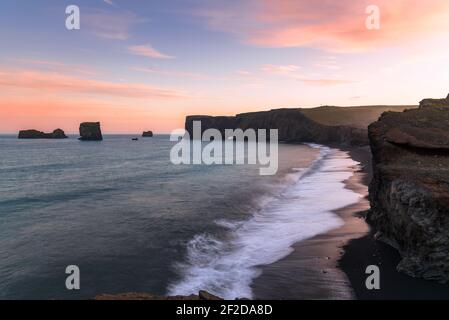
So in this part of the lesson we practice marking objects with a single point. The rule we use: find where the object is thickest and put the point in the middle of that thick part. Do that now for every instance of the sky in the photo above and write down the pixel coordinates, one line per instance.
(138, 65)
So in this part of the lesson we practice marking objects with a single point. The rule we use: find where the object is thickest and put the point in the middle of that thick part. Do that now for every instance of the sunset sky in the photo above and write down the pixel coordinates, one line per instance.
(144, 65)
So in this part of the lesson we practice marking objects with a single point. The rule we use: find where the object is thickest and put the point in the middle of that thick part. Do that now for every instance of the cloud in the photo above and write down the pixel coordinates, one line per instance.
(171, 73)
(109, 2)
(111, 25)
(337, 26)
(56, 83)
(325, 82)
(148, 51)
(57, 66)
(280, 69)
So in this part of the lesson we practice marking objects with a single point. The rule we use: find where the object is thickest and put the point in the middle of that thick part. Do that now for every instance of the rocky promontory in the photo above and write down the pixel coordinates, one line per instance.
(90, 131)
(409, 193)
(293, 126)
(34, 134)
(147, 134)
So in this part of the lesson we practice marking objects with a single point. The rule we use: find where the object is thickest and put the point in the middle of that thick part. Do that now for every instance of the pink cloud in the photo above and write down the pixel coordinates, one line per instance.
(57, 66)
(331, 25)
(57, 83)
(148, 51)
(325, 82)
(280, 69)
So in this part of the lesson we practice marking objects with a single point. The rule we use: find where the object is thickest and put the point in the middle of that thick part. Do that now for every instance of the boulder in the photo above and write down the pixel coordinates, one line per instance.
(90, 131)
(147, 134)
(34, 134)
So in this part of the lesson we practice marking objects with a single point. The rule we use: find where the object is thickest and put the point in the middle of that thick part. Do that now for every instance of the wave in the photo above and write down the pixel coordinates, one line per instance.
(303, 209)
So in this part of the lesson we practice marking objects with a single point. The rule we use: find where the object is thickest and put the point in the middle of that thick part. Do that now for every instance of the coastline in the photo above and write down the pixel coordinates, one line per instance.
(312, 270)
(332, 265)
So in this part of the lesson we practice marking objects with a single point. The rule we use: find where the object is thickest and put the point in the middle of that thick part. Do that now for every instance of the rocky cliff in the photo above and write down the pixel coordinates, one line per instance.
(34, 134)
(409, 193)
(90, 131)
(292, 124)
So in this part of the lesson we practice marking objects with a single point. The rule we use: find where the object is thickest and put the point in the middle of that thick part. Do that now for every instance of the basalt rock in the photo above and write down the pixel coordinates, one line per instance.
(409, 193)
(147, 134)
(202, 295)
(34, 134)
(293, 126)
(90, 131)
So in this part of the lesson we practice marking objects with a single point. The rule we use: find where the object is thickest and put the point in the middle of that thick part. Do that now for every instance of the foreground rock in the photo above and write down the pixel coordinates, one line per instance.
(202, 295)
(409, 193)
(293, 126)
(147, 134)
(34, 134)
(90, 131)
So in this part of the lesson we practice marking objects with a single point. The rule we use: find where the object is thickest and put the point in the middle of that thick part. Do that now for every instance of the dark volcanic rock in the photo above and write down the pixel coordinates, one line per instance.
(409, 192)
(147, 134)
(90, 131)
(34, 134)
(202, 295)
(293, 126)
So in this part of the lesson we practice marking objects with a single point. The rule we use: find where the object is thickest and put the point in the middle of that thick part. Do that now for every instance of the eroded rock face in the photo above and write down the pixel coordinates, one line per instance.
(90, 131)
(409, 192)
(147, 134)
(34, 134)
(292, 125)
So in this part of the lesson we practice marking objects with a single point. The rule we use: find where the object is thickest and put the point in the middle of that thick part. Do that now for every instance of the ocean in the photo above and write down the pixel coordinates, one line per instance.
(133, 222)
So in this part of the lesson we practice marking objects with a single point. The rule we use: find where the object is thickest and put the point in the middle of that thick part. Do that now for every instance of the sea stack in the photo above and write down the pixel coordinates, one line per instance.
(409, 192)
(147, 134)
(34, 134)
(90, 131)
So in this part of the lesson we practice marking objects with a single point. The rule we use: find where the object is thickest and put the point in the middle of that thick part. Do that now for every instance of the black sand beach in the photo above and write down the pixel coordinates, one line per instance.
(332, 265)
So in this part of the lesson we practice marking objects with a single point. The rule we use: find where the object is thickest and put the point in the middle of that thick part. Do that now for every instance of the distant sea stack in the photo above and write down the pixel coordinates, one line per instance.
(90, 131)
(409, 193)
(34, 134)
(147, 134)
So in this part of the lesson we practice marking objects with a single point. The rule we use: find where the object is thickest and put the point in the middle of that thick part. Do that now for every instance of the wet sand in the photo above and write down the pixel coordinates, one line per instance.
(311, 271)
(332, 265)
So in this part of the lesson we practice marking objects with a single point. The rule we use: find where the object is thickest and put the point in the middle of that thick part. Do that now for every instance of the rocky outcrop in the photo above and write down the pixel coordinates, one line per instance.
(34, 134)
(409, 193)
(293, 126)
(90, 131)
(147, 134)
(202, 295)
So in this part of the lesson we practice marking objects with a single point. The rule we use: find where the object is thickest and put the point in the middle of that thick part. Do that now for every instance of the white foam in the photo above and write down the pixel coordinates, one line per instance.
(303, 210)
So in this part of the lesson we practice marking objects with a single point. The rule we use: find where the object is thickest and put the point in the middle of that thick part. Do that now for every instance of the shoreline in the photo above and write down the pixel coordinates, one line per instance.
(332, 265)
(312, 270)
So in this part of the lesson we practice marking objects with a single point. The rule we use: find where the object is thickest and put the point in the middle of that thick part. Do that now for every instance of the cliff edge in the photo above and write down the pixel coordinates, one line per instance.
(409, 193)
(293, 126)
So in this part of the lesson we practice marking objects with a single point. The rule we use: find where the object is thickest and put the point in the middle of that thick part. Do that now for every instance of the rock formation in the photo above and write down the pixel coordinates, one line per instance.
(293, 126)
(147, 134)
(34, 134)
(202, 295)
(409, 192)
(90, 131)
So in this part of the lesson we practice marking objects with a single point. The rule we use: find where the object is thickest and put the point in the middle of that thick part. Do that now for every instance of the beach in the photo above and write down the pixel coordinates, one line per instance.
(311, 271)
(332, 265)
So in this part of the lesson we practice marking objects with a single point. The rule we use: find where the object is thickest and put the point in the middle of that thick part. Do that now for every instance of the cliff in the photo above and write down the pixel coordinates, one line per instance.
(34, 134)
(409, 193)
(293, 126)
